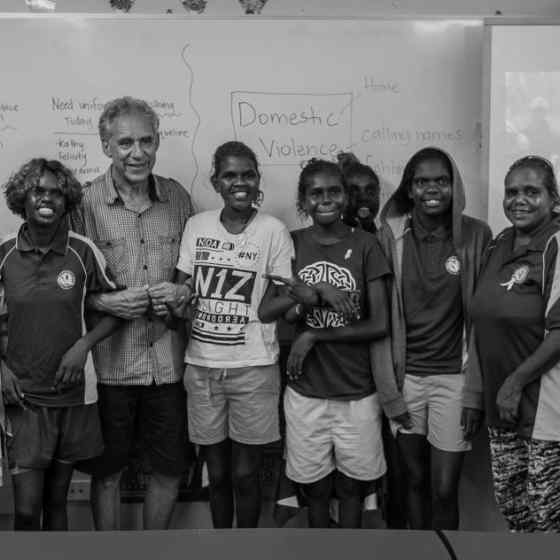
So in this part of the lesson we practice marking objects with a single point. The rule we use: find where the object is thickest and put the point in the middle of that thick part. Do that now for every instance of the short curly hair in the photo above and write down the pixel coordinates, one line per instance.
(28, 176)
(125, 106)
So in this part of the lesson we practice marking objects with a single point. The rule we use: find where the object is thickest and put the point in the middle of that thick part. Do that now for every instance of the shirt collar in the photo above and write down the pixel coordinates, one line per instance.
(24, 242)
(441, 232)
(537, 244)
(157, 190)
(540, 237)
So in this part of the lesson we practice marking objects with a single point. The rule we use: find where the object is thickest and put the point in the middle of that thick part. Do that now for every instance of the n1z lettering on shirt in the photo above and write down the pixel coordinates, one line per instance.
(217, 282)
(225, 296)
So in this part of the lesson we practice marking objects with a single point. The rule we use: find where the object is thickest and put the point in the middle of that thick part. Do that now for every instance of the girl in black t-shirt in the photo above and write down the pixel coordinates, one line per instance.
(338, 299)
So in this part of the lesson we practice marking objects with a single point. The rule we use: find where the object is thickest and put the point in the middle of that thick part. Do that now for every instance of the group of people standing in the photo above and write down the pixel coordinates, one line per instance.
(404, 335)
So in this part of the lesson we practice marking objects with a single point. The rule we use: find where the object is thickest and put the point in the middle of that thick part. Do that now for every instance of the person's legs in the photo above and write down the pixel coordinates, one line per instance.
(30, 451)
(350, 497)
(106, 501)
(318, 495)
(510, 471)
(28, 499)
(394, 505)
(446, 473)
(448, 447)
(252, 397)
(159, 501)
(56, 482)
(246, 466)
(415, 452)
(310, 452)
(359, 456)
(79, 441)
(117, 412)
(218, 459)
(544, 484)
(162, 427)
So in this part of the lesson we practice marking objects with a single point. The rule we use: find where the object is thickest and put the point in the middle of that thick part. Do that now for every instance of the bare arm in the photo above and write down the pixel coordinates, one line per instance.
(281, 298)
(374, 327)
(539, 362)
(130, 303)
(71, 368)
(11, 390)
(172, 298)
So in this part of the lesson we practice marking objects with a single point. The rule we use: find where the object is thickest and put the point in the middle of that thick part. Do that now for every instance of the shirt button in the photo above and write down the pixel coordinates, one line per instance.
(145, 267)
(151, 344)
(142, 241)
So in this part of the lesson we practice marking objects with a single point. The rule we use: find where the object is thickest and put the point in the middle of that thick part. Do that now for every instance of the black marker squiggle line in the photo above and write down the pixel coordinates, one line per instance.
(190, 88)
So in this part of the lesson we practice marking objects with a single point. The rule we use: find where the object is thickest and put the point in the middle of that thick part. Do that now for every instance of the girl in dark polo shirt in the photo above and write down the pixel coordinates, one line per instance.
(516, 328)
(435, 252)
(46, 272)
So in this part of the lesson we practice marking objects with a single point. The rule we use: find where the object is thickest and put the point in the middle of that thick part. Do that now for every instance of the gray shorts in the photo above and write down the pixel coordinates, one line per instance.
(236, 403)
(435, 405)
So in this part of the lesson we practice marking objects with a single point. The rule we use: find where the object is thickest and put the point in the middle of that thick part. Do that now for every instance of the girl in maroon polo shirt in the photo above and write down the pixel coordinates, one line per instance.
(46, 272)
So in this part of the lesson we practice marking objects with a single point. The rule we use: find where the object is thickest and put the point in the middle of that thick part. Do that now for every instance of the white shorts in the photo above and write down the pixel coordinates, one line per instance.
(435, 405)
(323, 435)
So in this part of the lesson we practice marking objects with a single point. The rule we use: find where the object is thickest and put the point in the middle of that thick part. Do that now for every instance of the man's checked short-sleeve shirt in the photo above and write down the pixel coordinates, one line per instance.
(141, 248)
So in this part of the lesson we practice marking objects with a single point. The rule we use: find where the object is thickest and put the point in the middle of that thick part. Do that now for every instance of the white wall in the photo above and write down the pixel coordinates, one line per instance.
(314, 8)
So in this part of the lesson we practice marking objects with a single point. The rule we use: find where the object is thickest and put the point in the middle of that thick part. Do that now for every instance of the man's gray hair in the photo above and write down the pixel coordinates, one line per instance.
(125, 106)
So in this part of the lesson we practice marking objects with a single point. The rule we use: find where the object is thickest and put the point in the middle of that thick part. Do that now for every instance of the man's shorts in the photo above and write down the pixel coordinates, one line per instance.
(42, 434)
(152, 415)
(323, 435)
(236, 403)
(435, 406)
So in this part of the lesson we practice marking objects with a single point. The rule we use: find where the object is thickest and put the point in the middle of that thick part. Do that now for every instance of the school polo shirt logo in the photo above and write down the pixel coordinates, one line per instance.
(518, 276)
(339, 277)
(66, 279)
(452, 265)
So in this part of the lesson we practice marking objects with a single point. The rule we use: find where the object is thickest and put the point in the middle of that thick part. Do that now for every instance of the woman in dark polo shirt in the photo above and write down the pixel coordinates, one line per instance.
(435, 252)
(516, 329)
(46, 272)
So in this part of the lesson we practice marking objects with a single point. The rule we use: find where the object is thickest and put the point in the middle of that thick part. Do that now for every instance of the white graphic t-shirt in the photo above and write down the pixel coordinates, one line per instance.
(227, 274)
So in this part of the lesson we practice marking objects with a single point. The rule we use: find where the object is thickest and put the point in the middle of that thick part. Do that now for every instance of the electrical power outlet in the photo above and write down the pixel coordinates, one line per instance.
(79, 491)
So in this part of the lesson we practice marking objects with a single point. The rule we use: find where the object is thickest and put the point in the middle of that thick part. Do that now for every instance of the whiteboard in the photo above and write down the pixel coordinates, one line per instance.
(291, 89)
(524, 110)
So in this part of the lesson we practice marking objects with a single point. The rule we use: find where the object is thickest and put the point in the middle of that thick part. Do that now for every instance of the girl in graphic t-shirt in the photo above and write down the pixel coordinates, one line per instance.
(232, 376)
(338, 298)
